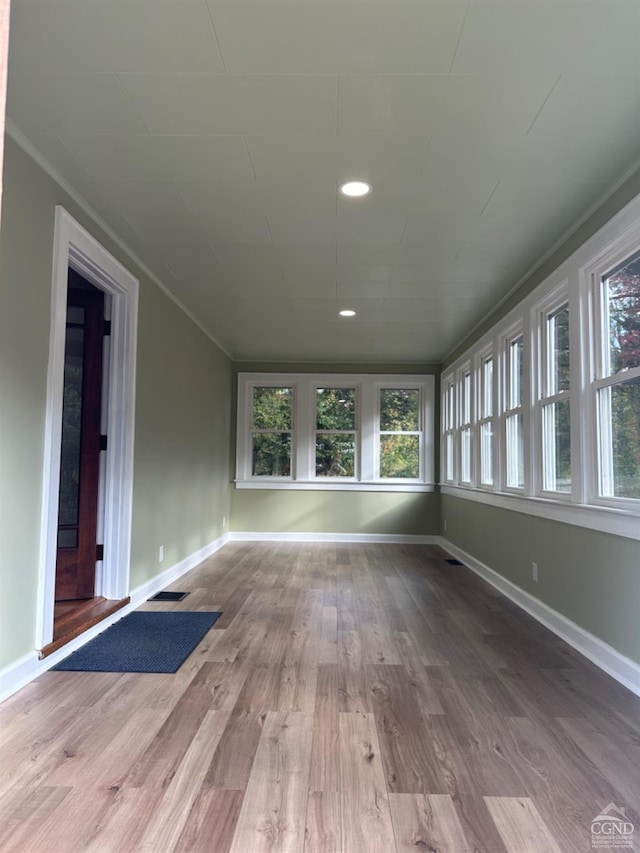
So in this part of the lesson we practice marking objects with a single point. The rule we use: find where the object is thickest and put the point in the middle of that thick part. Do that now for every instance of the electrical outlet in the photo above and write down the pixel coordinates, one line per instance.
(224, 520)
(445, 525)
(534, 572)
(161, 554)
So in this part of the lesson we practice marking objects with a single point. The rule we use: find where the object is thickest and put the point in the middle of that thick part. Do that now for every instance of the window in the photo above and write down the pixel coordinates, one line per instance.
(464, 386)
(271, 431)
(449, 424)
(553, 405)
(514, 416)
(485, 419)
(617, 384)
(400, 428)
(555, 414)
(335, 431)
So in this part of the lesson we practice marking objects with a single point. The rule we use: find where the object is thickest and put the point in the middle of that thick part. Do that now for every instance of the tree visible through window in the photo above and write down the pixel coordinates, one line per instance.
(332, 431)
(556, 410)
(620, 399)
(399, 433)
(272, 421)
(514, 421)
(335, 432)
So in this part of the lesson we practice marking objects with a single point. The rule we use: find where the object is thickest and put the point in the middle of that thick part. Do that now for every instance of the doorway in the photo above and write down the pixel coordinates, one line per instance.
(81, 444)
(85, 274)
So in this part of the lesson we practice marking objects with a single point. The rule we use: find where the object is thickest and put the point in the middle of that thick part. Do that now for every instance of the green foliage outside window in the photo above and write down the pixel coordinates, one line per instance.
(623, 292)
(560, 381)
(335, 409)
(335, 412)
(272, 408)
(399, 413)
(271, 450)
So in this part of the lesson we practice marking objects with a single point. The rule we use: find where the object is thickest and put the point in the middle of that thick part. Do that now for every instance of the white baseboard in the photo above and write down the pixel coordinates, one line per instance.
(19, 673)
(615, 664)
(397, 538)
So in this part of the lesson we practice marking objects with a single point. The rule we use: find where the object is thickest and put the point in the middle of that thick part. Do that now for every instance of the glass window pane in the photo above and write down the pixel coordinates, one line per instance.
(557, 447)
(68, 538)
(558, 325)
(399, 409)
(272, 408)
(271, 455)
(450, 407)
(449, 456)
(487, 388)
(335, 455)
(465, 455)
(623, 303)
(515, 452)
(399, 456)
(515, 373)
(336, 408)
(625, 439)
(486, 453)
(71, 425)
(466, 398)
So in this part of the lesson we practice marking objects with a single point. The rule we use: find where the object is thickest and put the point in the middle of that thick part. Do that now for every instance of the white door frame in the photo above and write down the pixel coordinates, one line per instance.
(75, 247)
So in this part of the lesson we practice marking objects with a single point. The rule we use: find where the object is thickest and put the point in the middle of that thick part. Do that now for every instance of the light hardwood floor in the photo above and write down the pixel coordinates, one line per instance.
(351, 699)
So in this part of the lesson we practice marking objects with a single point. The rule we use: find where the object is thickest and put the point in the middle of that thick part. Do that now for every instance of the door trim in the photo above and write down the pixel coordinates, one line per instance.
(75, 247)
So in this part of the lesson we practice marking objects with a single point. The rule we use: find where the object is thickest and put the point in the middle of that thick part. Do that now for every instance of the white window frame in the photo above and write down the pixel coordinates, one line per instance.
(378, 433)
(600, 490)
(448, 443)
(367, 468)
(582, 273)
(308, 471)
(485, 416)
(546, 396)
(464, 442)
(510, 409)
(247, 451)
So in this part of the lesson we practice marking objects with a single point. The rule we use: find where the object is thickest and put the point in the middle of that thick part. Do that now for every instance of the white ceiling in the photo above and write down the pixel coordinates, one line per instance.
(212, 137)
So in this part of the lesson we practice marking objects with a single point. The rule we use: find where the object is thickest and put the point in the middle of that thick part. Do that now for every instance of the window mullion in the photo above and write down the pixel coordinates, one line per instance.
(365, 435)
(304, 414)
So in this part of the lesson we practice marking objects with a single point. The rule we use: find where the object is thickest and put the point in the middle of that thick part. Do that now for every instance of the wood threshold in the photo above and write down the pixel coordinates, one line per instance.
(75, 617)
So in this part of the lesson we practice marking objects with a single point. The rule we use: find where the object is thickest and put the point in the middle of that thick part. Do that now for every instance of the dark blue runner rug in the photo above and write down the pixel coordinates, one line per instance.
(143, 641)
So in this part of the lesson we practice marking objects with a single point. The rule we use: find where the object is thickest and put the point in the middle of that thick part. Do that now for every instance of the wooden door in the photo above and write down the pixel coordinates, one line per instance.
(80, 451)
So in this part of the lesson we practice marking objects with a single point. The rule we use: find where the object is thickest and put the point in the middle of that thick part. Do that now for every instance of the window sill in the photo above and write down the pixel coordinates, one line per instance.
(333, 486)
(619, 522)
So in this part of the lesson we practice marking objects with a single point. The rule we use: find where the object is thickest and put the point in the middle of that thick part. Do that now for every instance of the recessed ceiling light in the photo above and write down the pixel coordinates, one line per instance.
(347, 313)
(355, 188)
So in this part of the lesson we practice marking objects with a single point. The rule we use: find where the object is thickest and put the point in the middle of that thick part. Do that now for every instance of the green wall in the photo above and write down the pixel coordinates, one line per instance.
(297, 511)
(278, 511)
(181, 470)
(591, 578)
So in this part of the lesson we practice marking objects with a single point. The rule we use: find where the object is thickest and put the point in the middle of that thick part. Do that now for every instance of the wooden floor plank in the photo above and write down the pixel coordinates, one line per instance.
(323, 775)
(212, 822)
(173, 809)
(329, 641)
(408, 757)
(322, 832)
(520, 825)
(427, 822)
(364, 805)
(352, 686)
(273, 814)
